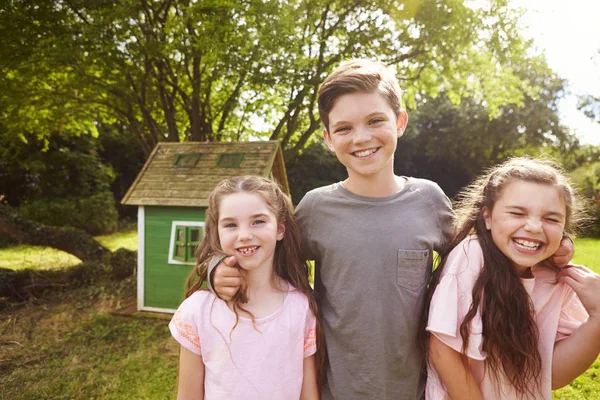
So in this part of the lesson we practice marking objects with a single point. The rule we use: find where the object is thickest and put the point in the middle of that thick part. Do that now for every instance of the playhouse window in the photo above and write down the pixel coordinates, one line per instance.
(229, 160)
(186, 160)
(185, 238)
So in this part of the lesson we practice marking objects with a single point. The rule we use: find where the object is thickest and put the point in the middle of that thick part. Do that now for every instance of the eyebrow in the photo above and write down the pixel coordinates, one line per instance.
(259, 215)
(367, 117)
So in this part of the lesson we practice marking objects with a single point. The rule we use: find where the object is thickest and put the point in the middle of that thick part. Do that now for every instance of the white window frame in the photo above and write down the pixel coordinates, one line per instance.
(174, 226)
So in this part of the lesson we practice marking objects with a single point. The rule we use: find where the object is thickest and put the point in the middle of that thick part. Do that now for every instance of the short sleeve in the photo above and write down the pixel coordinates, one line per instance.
(572, 316)
(443, 212)
(310, 335)
(452, 300)
(184, 328)
(446, 219)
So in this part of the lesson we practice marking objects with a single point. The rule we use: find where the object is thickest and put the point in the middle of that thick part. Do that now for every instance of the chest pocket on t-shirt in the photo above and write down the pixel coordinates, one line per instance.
(411, 268)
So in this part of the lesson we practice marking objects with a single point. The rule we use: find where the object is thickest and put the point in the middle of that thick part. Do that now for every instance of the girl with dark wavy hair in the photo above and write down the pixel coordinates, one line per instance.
(501, 322)
(265, 343)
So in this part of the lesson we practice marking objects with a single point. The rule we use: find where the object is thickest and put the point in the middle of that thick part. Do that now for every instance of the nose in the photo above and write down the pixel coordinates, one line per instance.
(533, 225)
(245, 233)
(361, 135)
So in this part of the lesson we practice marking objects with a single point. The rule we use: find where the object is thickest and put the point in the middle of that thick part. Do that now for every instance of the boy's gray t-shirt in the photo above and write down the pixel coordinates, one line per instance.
(373, 257)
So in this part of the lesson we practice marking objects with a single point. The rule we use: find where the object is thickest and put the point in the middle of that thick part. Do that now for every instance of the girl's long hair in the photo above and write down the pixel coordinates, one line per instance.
(510, 333)
(289, 263)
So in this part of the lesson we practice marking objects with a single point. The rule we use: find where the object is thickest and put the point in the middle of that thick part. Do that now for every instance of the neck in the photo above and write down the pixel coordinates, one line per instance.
(375, 186)
(524, 272)
(261, 279)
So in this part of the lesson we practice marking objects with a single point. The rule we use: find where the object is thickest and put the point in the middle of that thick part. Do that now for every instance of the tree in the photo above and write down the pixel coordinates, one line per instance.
(590, 105)
(203, 70)
(453, 145)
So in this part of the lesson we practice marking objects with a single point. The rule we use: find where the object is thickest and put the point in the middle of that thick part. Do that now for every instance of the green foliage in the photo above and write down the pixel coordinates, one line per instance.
(453, 145)
(118, 148)
(590, 105)
(587, 180)
(95, 214)
(216, 71)
(59, 182)
(65, 166)
(316, 166)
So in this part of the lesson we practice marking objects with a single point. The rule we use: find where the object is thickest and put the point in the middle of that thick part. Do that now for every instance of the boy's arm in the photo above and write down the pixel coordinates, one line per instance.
(191, 376)
(457, 379)
(573, 355)
(310, 390)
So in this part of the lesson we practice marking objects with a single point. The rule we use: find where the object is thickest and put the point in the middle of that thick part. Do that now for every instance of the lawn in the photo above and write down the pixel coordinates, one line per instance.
(74, 346)
(37, 257)
(77, 345)
(587, 386)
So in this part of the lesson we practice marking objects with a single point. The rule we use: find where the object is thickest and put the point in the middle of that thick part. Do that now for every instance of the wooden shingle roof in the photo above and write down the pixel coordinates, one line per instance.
(170, 178)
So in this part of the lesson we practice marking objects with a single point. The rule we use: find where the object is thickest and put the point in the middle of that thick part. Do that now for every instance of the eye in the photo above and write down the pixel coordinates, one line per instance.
(229, 225)
(259, 221)
(516, 213)
(341, 130)
(553, 220)
(375, 121)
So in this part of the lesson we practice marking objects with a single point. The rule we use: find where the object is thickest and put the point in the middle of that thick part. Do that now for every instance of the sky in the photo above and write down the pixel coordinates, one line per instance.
(568, 32)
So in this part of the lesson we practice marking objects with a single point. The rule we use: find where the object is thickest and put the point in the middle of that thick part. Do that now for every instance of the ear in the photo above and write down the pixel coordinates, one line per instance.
(487, 217)
(328, 140)
(280, 231)
(401, 122)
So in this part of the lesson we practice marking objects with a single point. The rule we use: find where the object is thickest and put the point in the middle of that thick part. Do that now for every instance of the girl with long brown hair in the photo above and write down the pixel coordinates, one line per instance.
(500, 321)
(263, 343)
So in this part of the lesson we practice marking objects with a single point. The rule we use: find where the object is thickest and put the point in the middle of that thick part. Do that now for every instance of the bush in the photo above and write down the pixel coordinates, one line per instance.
(587, 180)
(96, 214)
(6, 241)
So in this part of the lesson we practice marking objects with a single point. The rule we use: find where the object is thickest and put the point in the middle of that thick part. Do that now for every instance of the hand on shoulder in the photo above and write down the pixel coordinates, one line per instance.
(586, 284)
(226, 278)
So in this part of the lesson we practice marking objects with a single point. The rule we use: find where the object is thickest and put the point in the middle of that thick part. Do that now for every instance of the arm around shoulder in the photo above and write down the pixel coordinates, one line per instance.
(573, 355)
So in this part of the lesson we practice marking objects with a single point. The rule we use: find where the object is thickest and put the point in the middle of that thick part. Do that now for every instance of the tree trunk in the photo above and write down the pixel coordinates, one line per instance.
(70, 240)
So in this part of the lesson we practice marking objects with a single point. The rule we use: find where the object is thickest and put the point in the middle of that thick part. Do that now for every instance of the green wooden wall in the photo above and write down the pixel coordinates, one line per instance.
(164, 282)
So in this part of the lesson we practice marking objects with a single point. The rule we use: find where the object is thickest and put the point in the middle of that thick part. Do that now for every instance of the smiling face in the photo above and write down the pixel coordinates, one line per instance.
(249, 230)
(363, 132)
(527, 222)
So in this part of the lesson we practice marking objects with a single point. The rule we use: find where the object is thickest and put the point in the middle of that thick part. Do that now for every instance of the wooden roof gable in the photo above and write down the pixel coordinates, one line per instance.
(184, 174)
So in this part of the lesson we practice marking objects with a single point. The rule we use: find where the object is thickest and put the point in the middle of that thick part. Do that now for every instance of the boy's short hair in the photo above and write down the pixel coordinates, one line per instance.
(359, 75)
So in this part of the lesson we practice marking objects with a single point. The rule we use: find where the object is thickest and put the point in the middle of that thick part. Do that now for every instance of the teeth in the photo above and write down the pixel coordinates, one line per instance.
(527, 244)
(247, 250)
(365, 153)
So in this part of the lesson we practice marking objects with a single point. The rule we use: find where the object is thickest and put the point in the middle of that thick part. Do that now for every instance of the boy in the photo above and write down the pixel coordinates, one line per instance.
(372, 237)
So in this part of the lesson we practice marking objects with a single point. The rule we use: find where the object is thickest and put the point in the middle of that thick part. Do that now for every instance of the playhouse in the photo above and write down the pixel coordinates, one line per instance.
(171, 193)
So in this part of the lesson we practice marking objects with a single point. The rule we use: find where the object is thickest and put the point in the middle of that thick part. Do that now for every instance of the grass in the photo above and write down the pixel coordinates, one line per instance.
(124, 239)
(587, 386)
(587, 252)
(75, 346)
(37, 257)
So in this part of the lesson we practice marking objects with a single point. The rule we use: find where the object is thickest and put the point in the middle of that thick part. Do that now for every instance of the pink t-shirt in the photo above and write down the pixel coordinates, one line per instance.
(247, 363)
(559, 313)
